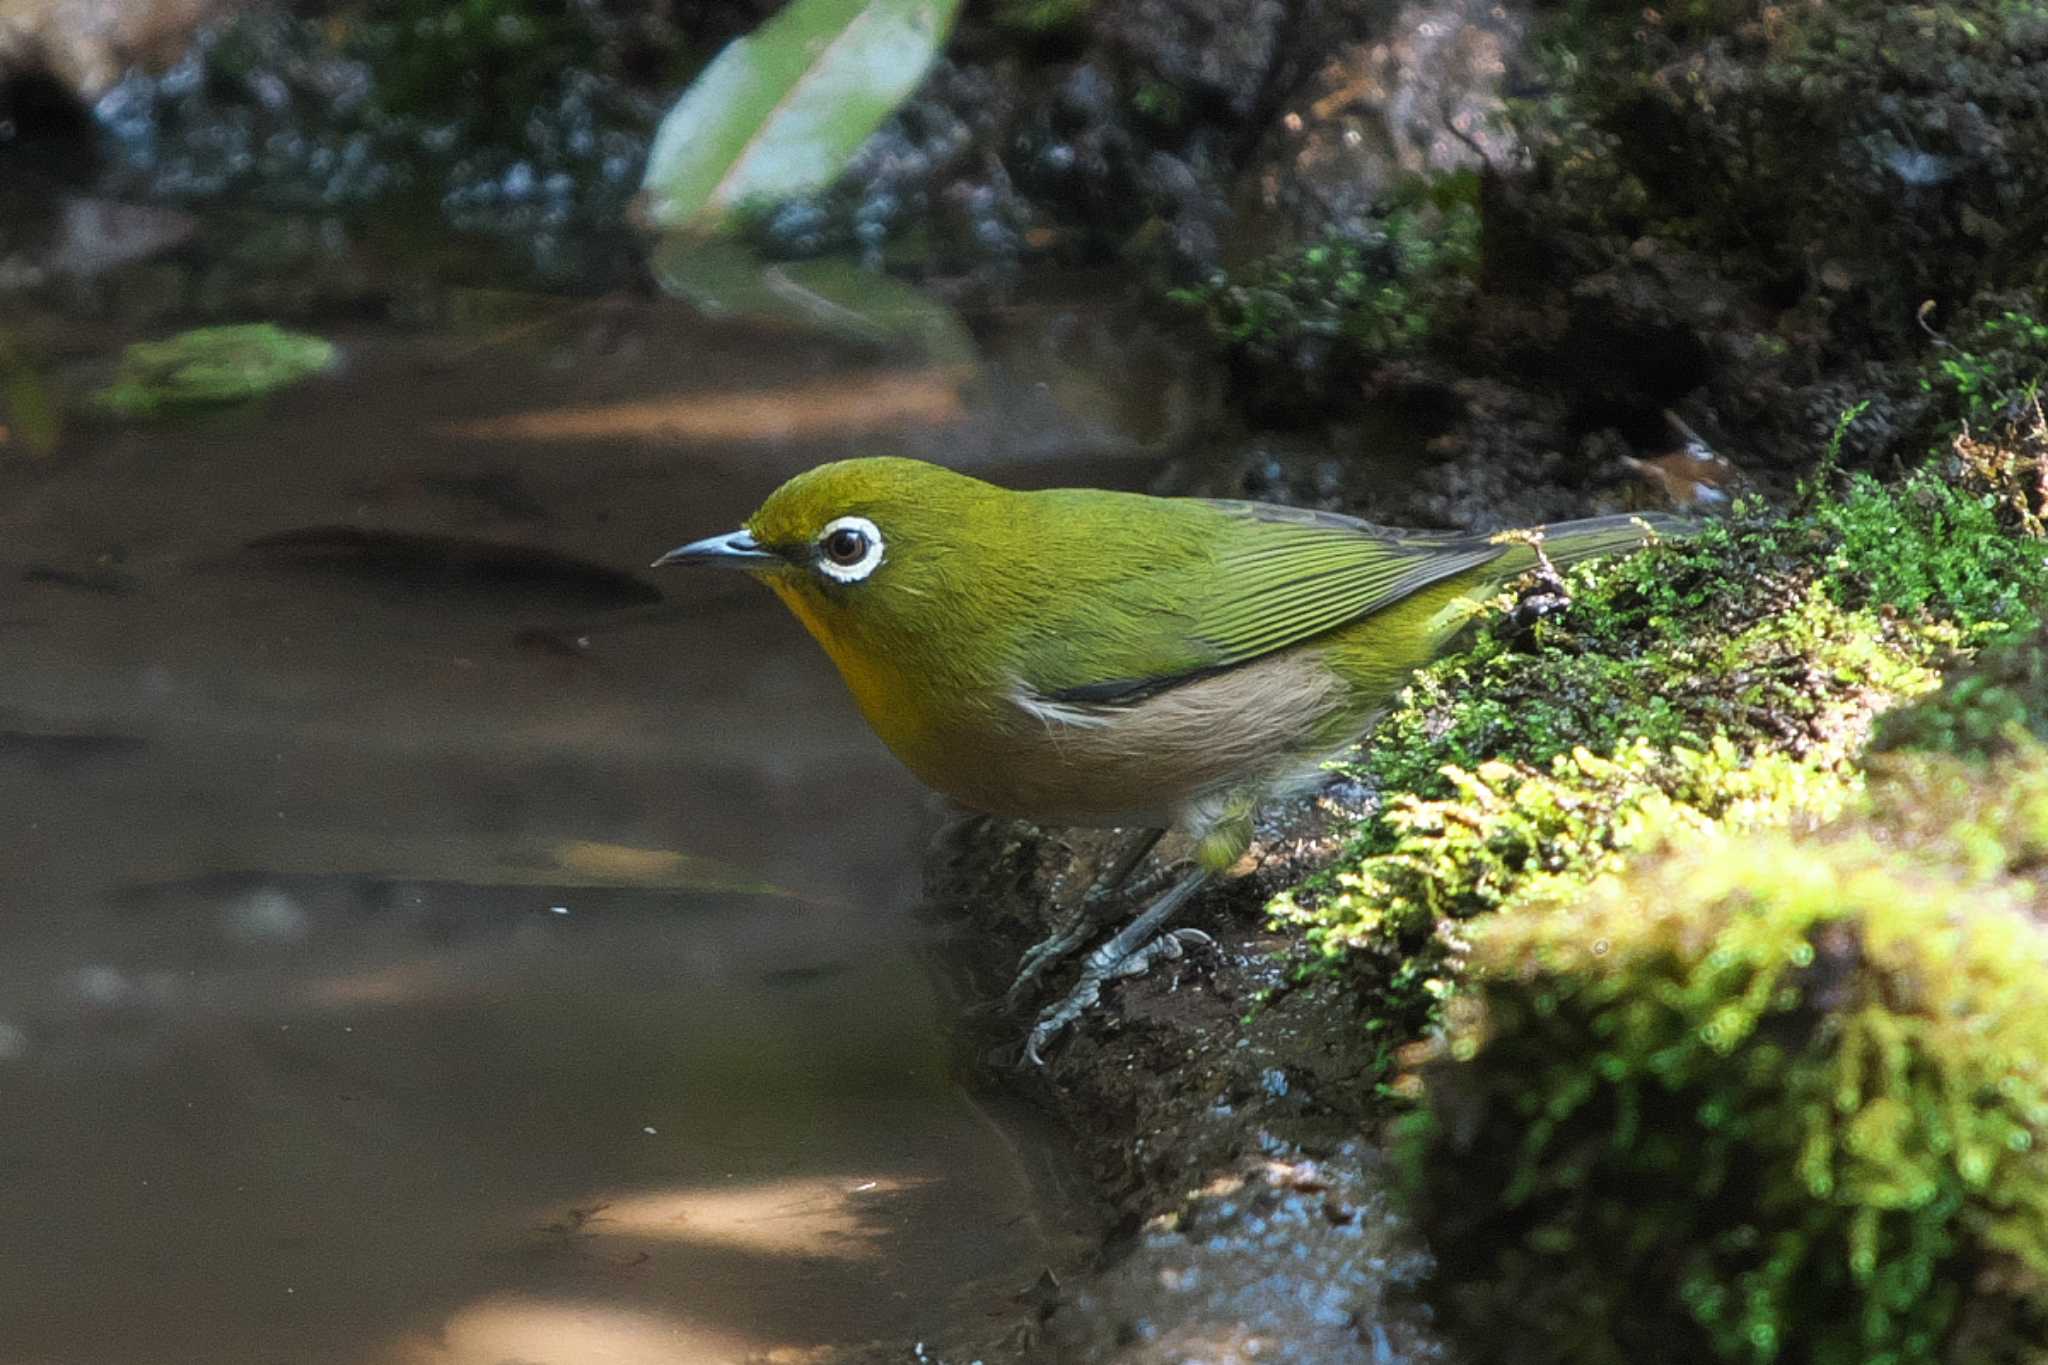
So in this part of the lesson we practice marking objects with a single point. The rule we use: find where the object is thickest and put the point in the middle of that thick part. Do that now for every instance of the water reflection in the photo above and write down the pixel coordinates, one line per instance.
(412, 958)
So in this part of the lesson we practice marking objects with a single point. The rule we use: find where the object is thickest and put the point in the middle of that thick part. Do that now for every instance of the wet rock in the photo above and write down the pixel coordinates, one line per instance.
(1220, 51)
(1281, 1257)
(1125, 144)
(1421, 98)
(1774, 200)
(533, 133)
(95, 236)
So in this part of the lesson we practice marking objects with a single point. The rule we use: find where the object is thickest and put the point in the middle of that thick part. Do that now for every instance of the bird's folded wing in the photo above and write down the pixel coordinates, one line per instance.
(1285, 575)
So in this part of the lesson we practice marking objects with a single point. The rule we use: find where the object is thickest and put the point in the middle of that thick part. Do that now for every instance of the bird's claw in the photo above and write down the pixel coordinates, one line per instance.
(1170, 946)
(1097, 905)
(1049, 952)
(1129, 952)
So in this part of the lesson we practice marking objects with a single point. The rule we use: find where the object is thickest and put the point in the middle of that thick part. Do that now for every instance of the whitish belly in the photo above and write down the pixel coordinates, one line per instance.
(1159, 761)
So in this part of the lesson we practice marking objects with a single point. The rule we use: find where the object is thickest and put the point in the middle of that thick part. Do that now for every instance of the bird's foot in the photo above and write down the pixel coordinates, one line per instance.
(1131, 951)
(1051, 950)
(1096, 906)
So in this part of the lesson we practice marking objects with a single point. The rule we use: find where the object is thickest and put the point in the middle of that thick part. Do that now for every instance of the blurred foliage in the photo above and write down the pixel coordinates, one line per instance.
(781, 113)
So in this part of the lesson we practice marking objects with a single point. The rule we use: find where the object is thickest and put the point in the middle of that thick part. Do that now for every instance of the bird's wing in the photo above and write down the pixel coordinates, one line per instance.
(1285, 575)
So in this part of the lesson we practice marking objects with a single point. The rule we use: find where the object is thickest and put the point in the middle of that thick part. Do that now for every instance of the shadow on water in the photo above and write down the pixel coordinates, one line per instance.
(431, 938)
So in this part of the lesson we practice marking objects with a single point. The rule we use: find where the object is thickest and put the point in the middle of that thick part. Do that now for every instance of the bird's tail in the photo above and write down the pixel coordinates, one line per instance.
(1565, 543)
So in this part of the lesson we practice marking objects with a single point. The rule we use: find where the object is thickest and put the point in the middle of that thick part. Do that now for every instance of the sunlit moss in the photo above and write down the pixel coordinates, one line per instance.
(1728, 681)
(1510, 833)
(1988, 816)
(1757, 1100)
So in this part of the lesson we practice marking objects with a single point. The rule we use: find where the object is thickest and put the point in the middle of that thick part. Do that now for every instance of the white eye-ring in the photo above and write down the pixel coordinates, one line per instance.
(849, 549)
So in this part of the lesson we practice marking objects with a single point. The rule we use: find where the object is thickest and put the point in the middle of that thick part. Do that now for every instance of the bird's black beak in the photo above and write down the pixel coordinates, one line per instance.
(735, 550)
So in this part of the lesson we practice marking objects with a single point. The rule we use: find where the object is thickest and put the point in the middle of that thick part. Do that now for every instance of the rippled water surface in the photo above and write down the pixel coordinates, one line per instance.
(431, 937)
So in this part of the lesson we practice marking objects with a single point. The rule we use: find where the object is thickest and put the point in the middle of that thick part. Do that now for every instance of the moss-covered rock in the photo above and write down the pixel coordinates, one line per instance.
(1766, 211)
(1510, 834)
(1300, 326)
(1759, 1100)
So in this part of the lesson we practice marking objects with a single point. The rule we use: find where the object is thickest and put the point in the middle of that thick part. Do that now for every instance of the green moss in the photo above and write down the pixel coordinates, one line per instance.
(1727, 681)
(1294, 322)
(1509, 833)
(210, 366)
(1995, 372)
(1769, 630)
(1934, 548)
(1987, 815)
(1756, 1101)
(1982, 708)
(1767, 633)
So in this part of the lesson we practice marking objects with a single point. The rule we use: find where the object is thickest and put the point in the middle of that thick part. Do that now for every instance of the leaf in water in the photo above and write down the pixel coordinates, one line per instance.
(211, 366)
(781, 111)
(832, 295)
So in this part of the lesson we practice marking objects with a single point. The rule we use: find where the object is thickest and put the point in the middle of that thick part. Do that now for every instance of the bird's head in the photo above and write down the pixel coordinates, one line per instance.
(871, 548)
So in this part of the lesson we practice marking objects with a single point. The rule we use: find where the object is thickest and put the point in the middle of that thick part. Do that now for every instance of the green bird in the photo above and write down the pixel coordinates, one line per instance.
(1082, 657)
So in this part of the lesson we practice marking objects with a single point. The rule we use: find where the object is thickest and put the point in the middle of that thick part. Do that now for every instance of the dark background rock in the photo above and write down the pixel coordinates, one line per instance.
(1422, 97)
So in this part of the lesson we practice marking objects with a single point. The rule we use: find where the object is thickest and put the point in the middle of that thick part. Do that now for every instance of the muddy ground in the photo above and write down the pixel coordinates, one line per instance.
(1224, 1109)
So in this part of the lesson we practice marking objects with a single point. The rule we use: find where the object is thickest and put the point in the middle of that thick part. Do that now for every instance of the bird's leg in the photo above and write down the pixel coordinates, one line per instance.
(1130, 951)
(1139, 944)
(1074, 929)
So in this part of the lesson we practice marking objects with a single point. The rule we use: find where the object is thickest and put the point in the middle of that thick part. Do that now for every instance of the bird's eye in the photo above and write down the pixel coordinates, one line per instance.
(849, 549)
(846, 546)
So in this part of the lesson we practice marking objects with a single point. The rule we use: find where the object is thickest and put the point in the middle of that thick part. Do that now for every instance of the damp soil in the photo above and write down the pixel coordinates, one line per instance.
(1223, 1105)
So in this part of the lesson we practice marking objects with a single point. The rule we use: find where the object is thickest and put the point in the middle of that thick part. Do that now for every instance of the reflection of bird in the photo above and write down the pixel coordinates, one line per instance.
(1091, 658)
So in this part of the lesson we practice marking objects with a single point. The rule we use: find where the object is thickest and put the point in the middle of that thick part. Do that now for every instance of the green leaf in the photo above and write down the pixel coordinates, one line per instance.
(781, 111)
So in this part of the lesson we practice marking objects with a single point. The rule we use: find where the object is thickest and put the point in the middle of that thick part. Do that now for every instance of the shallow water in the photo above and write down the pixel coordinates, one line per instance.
(438, 939)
